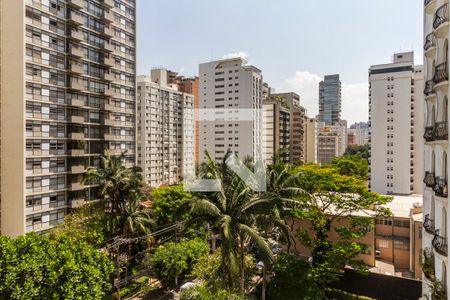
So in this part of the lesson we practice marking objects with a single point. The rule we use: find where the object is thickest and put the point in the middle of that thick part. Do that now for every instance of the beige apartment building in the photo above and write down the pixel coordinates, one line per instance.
(166, 137)
(394, 246)
(67, 95)
(310, 140)
(396, 112)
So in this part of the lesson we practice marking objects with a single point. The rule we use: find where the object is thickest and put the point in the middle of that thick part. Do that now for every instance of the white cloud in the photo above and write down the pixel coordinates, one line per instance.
(241, 54)
(354, 96)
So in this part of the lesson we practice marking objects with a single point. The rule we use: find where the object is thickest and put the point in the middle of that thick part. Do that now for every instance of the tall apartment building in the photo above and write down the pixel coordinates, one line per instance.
(327, 145)
(360, 131)
(330, 93)
(436, 148)
(69, 95)
(310, 140)
(396, 118)
(166, 142)
(231, 94)
(190, 86)
(297, 116)
(276, 130)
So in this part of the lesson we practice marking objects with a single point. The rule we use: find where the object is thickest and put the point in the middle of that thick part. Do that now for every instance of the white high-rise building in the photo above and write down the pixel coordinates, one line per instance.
(165, 130)
(231, 94)
(435, 193)
(395, 122)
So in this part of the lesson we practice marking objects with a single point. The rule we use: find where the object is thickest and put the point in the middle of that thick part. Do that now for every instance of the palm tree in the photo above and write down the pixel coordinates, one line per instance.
(116, 182)
(232, 211)
(134, 217)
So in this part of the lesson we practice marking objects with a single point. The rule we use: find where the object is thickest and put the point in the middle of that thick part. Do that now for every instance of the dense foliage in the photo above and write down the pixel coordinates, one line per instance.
(360, 150)
(170, 204)
(351, 165)
(39, 267)
(202, 292)
(176, 260)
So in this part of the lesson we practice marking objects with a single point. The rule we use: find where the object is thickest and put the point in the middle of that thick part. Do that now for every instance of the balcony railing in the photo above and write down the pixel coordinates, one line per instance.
(428, 224)
(441, 187)
(441, 73)
(429, 179)
(429, 87)
(440, 243)
(429, 133)
(430, 41)
(441, 16)
(441, 130)
(426, 2)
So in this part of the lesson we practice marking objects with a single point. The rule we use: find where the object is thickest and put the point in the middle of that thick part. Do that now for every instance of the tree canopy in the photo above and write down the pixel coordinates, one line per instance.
(351, 165)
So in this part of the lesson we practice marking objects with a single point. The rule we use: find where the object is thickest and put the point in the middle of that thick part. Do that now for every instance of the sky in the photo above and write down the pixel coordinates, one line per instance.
(294, 42)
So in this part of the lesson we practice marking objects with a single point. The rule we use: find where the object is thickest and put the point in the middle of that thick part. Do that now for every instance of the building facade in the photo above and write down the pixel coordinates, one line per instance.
(330, 94)
(230, 118)
(276, 131)
(435, 194)
(310, 140)
(69, 96)
(166, 137)
(396, 112)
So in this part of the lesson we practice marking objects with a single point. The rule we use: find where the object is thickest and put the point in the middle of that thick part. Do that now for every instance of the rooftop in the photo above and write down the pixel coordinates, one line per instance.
(401, 205)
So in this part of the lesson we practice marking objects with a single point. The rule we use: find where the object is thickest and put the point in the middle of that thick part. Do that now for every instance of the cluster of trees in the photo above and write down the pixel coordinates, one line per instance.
(214, 237)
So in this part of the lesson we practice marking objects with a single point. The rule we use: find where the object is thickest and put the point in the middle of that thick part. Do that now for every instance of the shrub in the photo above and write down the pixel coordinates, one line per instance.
(201, 292)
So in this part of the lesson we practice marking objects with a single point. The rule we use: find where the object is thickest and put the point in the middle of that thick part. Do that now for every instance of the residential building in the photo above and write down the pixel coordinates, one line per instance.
(231, 94)
(69, 95)
(276, 130)
(393, 246)
(166, 137)
(330, 93)
(297, 116)
(361, 133)
(351, 138)
(331, 141)
(435, 193)
(396, 118)
(310, 140)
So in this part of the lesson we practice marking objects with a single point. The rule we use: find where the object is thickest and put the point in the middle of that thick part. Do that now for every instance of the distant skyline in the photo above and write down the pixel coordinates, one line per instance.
(294, 42)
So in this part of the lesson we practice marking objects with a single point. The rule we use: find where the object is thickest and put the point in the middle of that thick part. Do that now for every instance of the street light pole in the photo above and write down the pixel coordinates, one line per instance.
(262, 266)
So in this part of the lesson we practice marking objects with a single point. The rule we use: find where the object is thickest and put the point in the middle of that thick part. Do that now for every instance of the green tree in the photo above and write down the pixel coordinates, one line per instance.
(360, 150)
(291, 280)
(41, 267)
(202, 292)
(351, 165)
(134, 217)
(118, 184)
(175, 260)
(334, 197)
(170, 204)
(232, 212)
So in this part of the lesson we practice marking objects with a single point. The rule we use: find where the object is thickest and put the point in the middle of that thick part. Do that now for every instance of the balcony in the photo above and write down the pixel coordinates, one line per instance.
(441, 187)
(109, 61)
(108, 32)
(76, 152)
(77, 169)
(440, 23)
(441, 76)
(428, 224)
(76, 20)
(76, 102)
(76, 84)
(108, 77)
(76, 68)
(76, 35)
(108, 17)
(430, 46)
(109, 122)
(430, 6)
(441, 131)
(75, 186)
(429, 179)
(429, 134)
(77, 4)
(74, 203)
(77, 52)
(76, 136)
(76, 119)
(108, 3)
(429, 88)
(107, 47)
(440, 243)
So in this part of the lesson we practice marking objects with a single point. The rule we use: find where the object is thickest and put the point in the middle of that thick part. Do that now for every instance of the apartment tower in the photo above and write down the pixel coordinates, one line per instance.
(396, 118)
(231, 94)
(68, 96)
(435, 192)
(330, 93)
(165, 129)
